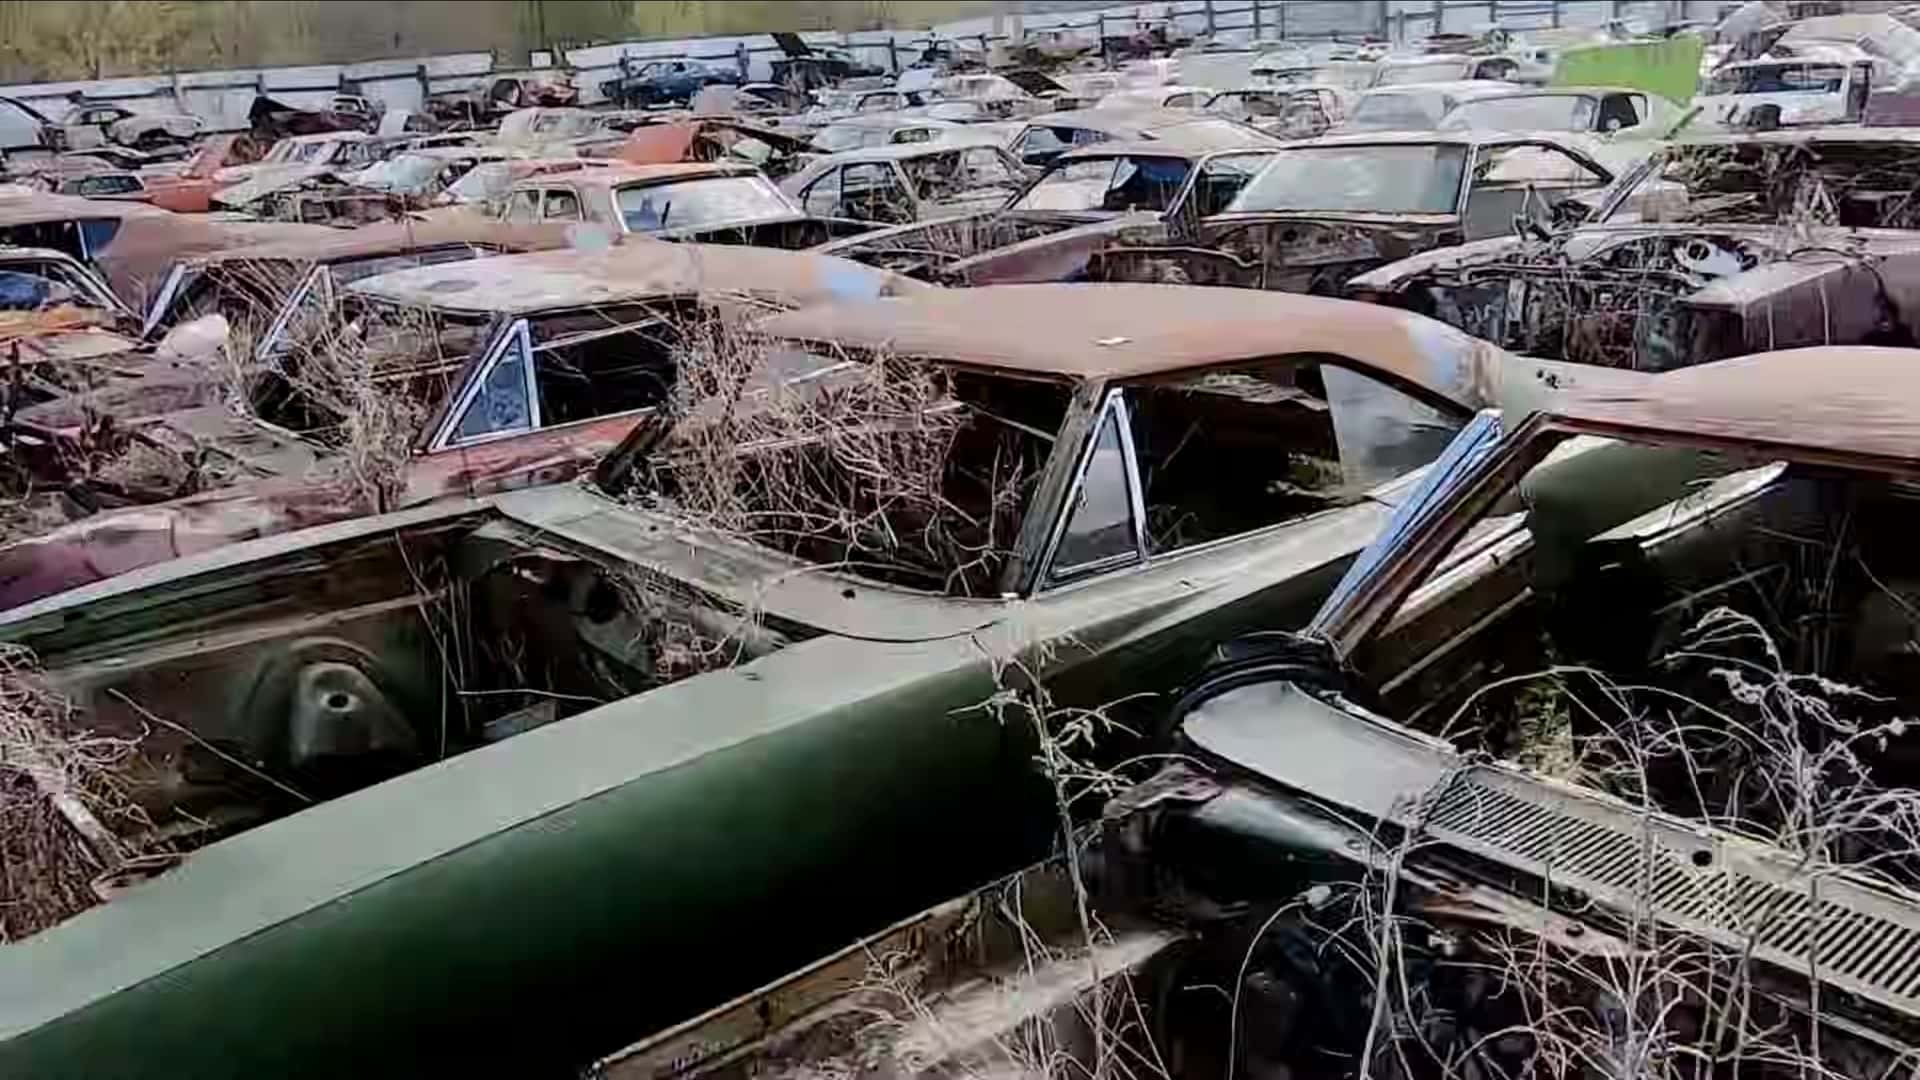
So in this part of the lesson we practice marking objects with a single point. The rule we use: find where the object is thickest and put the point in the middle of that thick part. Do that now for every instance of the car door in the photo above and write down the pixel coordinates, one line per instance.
(1211, 505)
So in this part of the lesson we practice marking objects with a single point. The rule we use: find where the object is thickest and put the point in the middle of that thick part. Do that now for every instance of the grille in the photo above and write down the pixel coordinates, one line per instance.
(1857, 936)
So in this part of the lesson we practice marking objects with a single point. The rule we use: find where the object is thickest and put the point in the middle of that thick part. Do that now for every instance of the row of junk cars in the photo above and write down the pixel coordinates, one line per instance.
(1112, 591)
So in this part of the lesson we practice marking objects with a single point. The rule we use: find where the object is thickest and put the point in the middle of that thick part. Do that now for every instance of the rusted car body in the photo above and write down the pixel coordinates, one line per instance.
(1631, 544)
(1085, 201)
(1854, 177)
(1688, 259)
(1658, 296)
(1049, 135)
(58, 322)
(712, 138)
(132, 245)
(1287, 112)
(590, 764)
(191, 191)
(1668, 513)
(256, 283)
(1326, 209)
(274, 477)
(709, 203)
(270, 187)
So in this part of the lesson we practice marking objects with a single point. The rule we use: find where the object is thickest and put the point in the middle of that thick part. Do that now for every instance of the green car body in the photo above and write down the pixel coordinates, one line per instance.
(542, 898)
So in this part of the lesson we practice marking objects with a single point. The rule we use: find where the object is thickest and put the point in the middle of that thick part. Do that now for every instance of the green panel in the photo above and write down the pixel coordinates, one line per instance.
(567, 934)
(1669, 67)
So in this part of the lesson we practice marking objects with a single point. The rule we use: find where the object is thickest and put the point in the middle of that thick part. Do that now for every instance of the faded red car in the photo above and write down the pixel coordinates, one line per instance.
(191, 192)
(535, 366)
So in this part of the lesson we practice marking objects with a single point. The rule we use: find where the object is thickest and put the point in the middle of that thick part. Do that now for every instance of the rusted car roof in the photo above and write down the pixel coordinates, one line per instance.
(1116, 331)
(143, 250)
(327, 245)
(1849, 402)
(637, 269)
(39, 207)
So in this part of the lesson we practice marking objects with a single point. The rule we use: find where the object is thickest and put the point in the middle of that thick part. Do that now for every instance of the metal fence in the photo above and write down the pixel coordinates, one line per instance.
(222, 98)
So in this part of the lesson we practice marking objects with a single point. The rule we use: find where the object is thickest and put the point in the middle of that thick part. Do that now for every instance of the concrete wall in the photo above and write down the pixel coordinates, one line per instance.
(222, 98)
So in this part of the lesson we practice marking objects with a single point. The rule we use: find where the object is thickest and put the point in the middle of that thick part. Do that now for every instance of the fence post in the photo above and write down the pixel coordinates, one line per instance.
(893, 53)
(1209, 10)
(1256, 20)
(1283, 22)
(1556, 14)
(1439, 16)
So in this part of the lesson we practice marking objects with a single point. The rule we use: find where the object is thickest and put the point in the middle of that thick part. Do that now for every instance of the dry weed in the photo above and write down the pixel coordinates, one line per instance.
(1776, 755)
(840, 462)
(53, 779)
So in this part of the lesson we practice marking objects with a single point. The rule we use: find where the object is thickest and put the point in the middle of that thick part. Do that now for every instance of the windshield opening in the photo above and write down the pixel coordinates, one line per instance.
(1108, 185)
(1409, 74)
(336, 357)
(911, 475)
(1396, 112)
(1544, 112)
(692, 204)
(836, 138)
(1411, 179)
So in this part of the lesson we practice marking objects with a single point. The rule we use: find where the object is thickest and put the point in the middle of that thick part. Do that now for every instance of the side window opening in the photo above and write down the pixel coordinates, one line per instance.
(499, 403)
(822, 197)
(872, 191)
(1232, 452)
(602, 363)
(1100, 529)
(936, 176)
(1221, 178)
(1616, 112)
(524, 206)
(561, 205)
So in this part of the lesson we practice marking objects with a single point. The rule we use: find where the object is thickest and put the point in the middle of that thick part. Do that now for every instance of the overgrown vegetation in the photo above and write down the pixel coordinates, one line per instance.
(1757, 749)
(56, 784)
(872, 465)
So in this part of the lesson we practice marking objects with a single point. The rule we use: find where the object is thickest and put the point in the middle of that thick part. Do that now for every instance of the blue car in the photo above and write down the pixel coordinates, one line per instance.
(661, 81)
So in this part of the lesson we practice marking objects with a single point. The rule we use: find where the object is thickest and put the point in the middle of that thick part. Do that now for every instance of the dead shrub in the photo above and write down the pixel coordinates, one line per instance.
(841, 461)
(54, 781)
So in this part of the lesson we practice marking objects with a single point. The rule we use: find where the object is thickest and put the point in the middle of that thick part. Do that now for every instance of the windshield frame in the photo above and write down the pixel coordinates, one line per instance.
(1061, 164)
(1462, 184)
(755, 180)
(1448, 121)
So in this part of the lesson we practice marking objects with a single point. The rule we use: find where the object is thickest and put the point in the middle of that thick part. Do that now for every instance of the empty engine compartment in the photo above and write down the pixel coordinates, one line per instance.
(291, 681)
